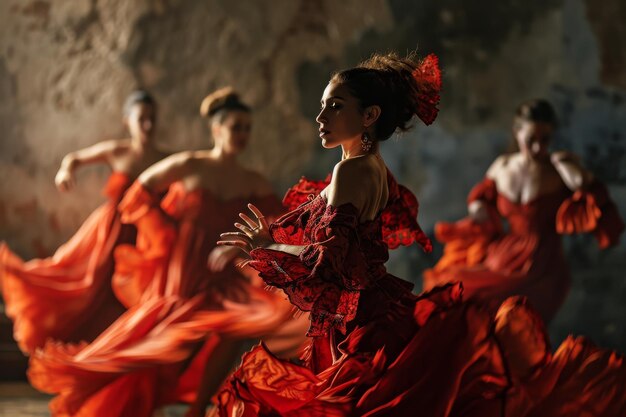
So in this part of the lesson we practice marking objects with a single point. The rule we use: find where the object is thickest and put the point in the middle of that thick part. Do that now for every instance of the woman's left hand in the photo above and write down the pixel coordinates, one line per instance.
(253, 234)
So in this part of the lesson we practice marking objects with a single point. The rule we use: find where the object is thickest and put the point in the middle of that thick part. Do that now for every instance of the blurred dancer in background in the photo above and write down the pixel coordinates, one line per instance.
(190, 309)
(68, 297)
(541, 195)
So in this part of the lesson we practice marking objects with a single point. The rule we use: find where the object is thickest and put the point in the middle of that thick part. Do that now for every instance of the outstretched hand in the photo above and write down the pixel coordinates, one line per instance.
(252, 235)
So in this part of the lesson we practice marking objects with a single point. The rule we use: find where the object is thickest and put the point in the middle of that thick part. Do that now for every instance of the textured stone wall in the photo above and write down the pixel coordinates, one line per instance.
(65, 67)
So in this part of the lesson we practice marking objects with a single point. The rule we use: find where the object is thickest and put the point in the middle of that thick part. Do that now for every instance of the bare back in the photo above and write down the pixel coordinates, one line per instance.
(361, 181)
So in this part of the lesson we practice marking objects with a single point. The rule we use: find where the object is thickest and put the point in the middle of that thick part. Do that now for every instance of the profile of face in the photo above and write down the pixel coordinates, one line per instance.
(232, 132)
(141, 121)
(533, 138)
(341, 119)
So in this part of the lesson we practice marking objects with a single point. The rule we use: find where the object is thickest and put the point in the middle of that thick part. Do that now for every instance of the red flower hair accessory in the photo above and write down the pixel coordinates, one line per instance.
(428, 78)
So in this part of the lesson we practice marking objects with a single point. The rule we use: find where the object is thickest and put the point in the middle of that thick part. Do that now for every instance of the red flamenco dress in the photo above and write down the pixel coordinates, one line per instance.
(376, 349)
(68, 297)
(528, 259)
(156, 352)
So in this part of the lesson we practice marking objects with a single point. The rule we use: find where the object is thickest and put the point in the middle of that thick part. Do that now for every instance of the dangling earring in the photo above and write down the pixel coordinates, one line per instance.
(366, 142)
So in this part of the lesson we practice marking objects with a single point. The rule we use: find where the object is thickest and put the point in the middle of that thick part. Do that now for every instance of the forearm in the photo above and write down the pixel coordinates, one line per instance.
(290, 249)
(70, 162)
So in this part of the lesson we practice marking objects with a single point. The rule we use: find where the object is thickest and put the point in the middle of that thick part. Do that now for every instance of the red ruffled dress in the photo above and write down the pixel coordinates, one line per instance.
(578, 380)
(68, 297)
(177, 311)
(376, 349)
(528, 259)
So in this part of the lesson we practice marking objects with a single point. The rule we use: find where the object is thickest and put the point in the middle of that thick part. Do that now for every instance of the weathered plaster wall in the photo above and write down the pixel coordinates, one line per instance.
(65, 67)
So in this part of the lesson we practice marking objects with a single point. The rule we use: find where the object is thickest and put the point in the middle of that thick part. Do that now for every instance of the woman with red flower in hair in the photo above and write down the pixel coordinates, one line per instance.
(375, 348)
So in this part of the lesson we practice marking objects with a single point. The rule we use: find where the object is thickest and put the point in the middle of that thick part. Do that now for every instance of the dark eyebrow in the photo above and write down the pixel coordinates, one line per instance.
(333, 97)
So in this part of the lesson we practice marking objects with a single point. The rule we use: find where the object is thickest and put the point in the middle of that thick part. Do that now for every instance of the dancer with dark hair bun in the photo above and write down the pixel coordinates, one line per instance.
(375, 348)
(190, 309)
(68, 296)
(541, 195)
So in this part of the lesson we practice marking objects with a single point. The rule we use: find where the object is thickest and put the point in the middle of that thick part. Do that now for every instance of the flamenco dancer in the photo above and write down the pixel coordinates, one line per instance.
(376, 349)
(68, 297)
(189, 308)
(541, 195)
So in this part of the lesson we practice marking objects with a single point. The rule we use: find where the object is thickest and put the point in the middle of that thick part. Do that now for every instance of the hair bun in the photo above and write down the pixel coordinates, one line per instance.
(223, 99)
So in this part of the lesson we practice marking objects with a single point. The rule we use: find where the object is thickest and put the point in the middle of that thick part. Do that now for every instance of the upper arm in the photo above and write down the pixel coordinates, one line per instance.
(100, 152)
(161, 175)
(571, 170)
(351, 183)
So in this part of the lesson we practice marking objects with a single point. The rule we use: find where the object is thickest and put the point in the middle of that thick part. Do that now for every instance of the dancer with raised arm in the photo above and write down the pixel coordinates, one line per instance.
(190, 309)
(68, 297)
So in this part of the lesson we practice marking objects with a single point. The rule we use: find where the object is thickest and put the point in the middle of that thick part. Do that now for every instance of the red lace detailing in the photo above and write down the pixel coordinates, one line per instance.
(305, 190)
(428, 78)
(399, 219)
(327, 277)
(341, 256)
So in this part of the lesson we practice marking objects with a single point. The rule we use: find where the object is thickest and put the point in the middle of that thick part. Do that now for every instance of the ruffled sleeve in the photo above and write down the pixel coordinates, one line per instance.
(591, 210)
(304, 191)
(399, 218)
(466, 240)
(327, 276)
(484, 191)
(341, 257)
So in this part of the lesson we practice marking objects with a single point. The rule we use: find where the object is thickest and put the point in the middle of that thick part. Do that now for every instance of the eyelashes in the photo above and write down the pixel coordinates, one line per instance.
(335, 106)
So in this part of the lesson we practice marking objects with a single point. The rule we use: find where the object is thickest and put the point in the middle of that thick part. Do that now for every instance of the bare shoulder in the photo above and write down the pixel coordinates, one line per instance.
(500, 164)
(565, 156)
(353, 180)
(570, 168)
(359, 169)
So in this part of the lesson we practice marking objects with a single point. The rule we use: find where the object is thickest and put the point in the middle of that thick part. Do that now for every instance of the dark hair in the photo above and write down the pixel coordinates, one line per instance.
(217, 104)
(536, 110)
(137, 97)
(401, 87)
